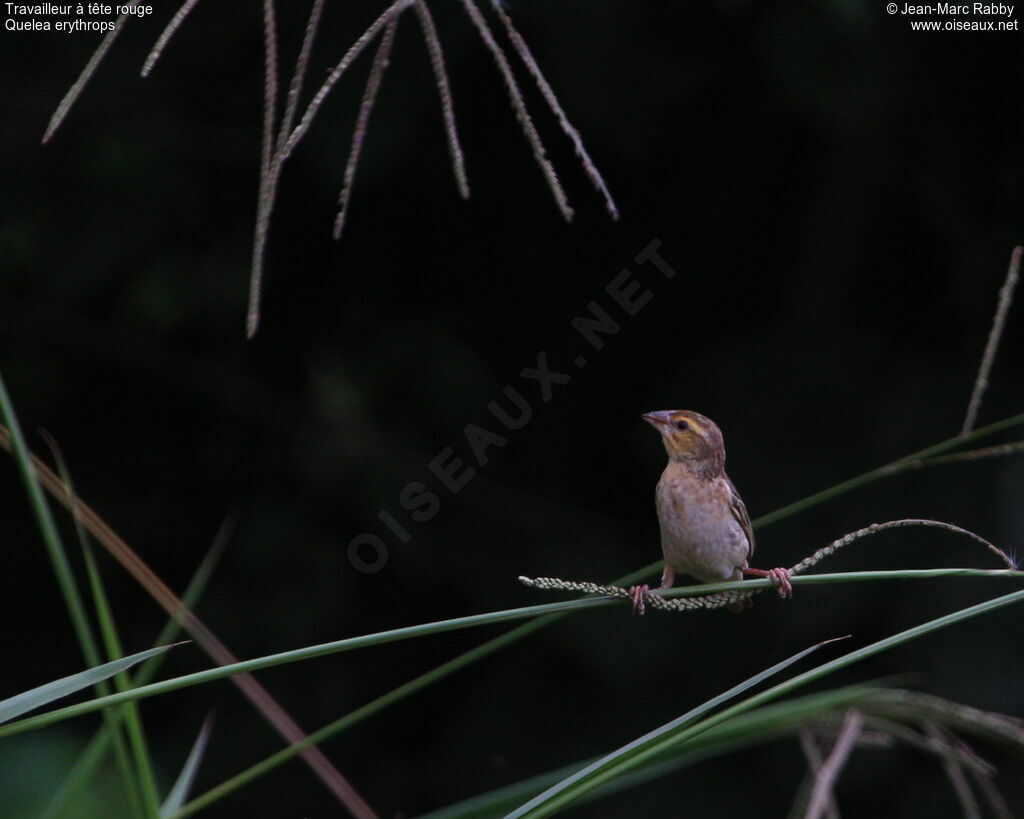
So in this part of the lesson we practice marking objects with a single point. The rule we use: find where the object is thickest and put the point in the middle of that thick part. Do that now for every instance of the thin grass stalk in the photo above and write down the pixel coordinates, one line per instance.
(905, 734)
(821, 794)
(78, 86)
(89, 760)
(543, 621)
(522, 631)
(165, 36)
(451, 131)
(659, 600)
(186, 778)
(272, 161)
(127, 765)
(660, 734)
(407, 632)
(299, 74)
(955, 773)
(523, 50)
(568, 791)
(271, 178)
(765, 724)
(48, 530)
(995, 336)
(69, 588)
(380, 64)
(997, 451)
(815, 759)
(268, 181)
(373, 707)
(890, 469)
(357, 48)
(254, 691)
(130, 718)
(1000, 807)
(142, 784)
(519, 106)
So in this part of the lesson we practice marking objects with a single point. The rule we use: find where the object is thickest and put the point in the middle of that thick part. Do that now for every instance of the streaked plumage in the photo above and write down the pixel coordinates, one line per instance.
(705, 528)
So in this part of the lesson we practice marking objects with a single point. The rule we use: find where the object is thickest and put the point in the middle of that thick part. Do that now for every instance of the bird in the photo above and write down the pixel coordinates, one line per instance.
(705, 528)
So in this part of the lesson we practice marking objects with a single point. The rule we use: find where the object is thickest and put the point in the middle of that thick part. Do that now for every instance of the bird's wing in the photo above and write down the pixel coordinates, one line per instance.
(739, 511)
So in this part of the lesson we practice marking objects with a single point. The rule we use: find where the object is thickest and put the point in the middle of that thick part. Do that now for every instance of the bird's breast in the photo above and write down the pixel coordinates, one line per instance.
(699, 533)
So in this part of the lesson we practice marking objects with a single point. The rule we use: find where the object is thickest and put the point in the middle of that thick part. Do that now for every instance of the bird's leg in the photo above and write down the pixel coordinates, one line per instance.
(639, 594)
(779, 578)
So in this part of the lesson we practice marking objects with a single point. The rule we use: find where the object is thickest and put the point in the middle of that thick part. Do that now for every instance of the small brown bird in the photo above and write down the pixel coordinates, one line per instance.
(705, 528)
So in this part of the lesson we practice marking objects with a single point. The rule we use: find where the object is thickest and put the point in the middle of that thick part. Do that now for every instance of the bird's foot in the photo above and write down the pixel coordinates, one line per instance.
(639, 594)
(780, 579)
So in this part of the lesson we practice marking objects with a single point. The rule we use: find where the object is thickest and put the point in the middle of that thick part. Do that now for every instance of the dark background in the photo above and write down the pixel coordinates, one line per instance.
(839, 197)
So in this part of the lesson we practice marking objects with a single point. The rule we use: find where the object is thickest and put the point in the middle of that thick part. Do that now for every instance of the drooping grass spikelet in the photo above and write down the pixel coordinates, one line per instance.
(994, 337)
(523, 50)
(997, 451)
(299, 74)
(719, 599)
(272, 159)
(519, 106)
(268, 172)
(165, 36)
(78, 86)
(336, 73)
(268, 184)
(433, 41)
(380, 65)
(875, 528)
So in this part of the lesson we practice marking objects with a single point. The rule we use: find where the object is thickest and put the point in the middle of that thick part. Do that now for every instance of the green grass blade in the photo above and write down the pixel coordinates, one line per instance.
(90, 758)
(43, 695)
(127, 762)
(758, 726)
(138, 770)
(179, 792)
(294, 655)
(384, 701)
(632, 755)
(657, 737)
(364, 641)
(557, 611)
(48, 530)
(193, 591)
(132, 721)
(884, 471)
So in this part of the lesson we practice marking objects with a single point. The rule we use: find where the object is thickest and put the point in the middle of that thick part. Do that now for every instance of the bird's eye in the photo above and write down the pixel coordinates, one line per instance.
(682, 425)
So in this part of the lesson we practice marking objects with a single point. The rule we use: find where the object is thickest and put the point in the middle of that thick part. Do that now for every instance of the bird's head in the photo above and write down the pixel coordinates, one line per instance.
(689, 436)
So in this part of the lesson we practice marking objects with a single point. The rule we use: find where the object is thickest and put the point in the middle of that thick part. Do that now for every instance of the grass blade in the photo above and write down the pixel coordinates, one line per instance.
(94, 753)
(650, 743)
(761, 725)
(48, 529)
(34, 698)
(616, 764)
(132, 721)
(179, 792)
(139, 776)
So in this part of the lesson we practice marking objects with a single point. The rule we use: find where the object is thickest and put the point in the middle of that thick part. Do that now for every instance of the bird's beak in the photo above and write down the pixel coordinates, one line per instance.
(658, 419)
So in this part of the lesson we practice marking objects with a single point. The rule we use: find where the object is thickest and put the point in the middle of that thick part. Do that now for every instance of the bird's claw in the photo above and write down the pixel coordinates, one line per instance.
(780, 579)
(639, 594)
(781, 582)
